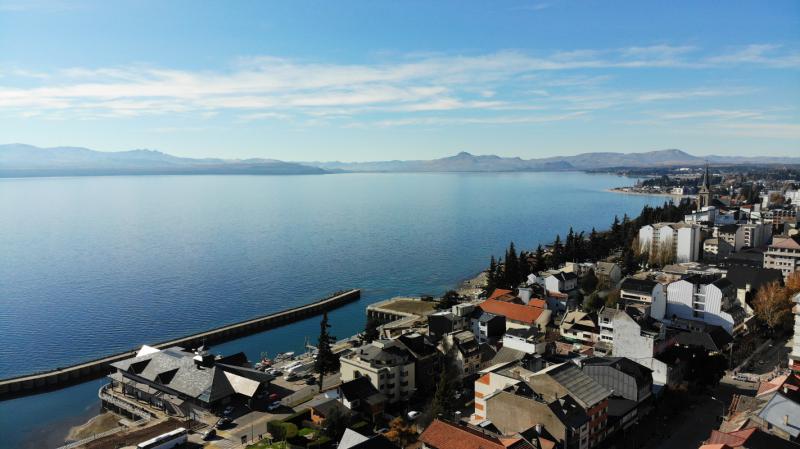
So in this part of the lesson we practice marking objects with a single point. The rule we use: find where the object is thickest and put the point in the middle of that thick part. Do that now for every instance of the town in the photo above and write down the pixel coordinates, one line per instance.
(679, 328)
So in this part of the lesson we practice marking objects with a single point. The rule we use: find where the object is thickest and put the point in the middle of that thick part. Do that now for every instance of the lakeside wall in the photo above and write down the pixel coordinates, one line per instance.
(63, 377)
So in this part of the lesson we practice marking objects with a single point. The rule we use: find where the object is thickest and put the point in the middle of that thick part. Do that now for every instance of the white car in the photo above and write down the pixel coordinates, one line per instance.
(412, 415)
(274, 406)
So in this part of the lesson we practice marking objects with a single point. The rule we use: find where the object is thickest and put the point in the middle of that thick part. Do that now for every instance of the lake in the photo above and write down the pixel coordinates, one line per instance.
(96, 265)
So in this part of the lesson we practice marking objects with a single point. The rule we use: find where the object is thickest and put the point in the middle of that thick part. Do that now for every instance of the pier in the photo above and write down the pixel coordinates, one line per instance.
(75, 374)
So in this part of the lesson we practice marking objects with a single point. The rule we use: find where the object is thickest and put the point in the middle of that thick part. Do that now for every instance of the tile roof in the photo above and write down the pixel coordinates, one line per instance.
(498, 292)
(516, 312)
(444, 435)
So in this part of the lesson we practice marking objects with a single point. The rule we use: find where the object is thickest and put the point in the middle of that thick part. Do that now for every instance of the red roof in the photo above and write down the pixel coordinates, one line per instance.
(498, 292)
(732, 439)
(540, 303)
(443, 435)
(515, 312)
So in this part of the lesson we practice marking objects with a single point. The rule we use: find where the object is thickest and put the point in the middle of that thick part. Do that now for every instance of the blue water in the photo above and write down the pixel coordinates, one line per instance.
(95, 265)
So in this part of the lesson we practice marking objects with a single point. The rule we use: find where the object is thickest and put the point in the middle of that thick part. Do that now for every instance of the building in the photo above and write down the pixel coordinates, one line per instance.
(180, 382)
(579, 326)
(608, 274)
(529, 341)
(639, 337)
(705, 298)
(704, 193)
(680, 241)
(747, 280)
(716, 249)
(749, 235)
(320, 409)
(466, 350)
(794, 355)
(360, 396)
(630, 385)
(400, 308)
(427, 360)
(388, 365)
(568, 404)
(647, 292)
(560, 281)
(783, 254)
(448, 435)
(747, 438)
(354, 440)
(488, 326)
(517, 315)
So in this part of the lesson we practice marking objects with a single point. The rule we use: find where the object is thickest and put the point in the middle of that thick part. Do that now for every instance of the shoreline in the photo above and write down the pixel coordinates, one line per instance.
(671, 195)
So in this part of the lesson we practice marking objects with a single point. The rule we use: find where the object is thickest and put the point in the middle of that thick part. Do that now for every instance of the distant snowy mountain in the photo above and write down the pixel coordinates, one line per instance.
(28, 160)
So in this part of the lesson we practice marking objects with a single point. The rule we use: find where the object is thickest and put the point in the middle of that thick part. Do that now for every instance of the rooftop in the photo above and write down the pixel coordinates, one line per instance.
(516, 312)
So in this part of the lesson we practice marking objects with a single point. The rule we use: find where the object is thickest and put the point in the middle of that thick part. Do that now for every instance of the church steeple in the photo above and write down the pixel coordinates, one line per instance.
(704, 194)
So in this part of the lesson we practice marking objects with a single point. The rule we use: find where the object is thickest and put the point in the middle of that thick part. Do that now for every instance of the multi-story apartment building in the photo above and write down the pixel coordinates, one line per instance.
(705, 298)
(641, 338)
(389, 366)
(682, 239)
(783, 254)
(647, 292)
(749, 235)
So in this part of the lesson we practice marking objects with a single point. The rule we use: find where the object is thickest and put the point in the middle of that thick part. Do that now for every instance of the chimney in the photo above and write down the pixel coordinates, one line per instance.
(785, 420)
(538, 429)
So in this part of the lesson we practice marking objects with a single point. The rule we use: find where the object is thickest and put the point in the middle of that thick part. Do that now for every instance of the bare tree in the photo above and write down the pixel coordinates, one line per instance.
(772, 305)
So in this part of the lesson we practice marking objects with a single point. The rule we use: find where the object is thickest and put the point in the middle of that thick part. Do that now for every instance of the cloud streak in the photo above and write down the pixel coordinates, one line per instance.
(264, 88)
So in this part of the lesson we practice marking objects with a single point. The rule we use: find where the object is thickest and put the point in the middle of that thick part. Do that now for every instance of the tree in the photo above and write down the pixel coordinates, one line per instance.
(401, 432)
(448, 300)
(512, 271)
(793, 284)
(539, 258)
(772, 306)
(592, 303)
(327, 362)
(335, 424)
(612, 299)
(589, 282)
(557, 255)
(491, 276)
(371, 331)
(629, 263)
(442, 404)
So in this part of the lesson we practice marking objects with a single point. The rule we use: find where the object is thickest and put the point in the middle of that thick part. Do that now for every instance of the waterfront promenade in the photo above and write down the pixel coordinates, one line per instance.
(62, 377)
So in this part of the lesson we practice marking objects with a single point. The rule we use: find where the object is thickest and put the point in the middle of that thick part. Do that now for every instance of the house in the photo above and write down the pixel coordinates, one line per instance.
(608, 274)
(360, 396)
(605, 323)
(747, 438)
(567, 403)
(644, 291)
(794, 355)
(448, 435)
(517, 315)
(529, 341)
(630, 384)
(705, 298)
(714, 339)
(427, 359)
(579, 326)
(466, 350)
(441, 323)
(388, 365)
(321, 409)
(487, 326)
(783, 254)
(178, 381)
(560, 281)
(680, 242)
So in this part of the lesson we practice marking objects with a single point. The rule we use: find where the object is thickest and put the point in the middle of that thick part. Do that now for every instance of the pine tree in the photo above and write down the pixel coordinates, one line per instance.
(327, 362)
(371, 331)
(511, 267)
(557, 255)
(491, 276)
(540, 261)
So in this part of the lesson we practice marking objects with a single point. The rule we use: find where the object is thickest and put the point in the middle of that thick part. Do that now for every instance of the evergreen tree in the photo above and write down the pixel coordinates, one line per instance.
(589, 282)
(491, 276)
(539, 260)
(448, 300)
(327, 362)
(371, 331)
(512, 276)
(569, 246)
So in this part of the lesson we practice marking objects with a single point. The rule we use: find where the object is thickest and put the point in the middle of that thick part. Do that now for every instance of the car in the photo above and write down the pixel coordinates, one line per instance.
(311, 381)
(274, 397)
(274, 406)
(413, 414)
(228, 410)
(223, 423)
(209, 434)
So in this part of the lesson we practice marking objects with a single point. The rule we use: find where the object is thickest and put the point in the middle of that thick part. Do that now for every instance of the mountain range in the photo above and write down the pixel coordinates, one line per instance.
(17, 160)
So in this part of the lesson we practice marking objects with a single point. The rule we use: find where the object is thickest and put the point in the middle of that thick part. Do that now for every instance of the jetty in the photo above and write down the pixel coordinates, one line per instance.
(95, 369)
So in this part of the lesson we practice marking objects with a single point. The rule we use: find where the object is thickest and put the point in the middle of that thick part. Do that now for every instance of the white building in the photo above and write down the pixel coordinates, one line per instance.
(783, 254)
(645, 292)
(704, 298)
(794, 356)
(750, 235)
(682, 239)
(389, 366)
(641, 338)
(561, 282)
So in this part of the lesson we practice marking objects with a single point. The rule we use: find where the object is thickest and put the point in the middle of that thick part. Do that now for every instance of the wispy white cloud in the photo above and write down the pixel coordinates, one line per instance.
(278, 88)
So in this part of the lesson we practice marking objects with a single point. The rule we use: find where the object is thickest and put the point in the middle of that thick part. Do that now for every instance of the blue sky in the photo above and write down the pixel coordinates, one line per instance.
(375, 80)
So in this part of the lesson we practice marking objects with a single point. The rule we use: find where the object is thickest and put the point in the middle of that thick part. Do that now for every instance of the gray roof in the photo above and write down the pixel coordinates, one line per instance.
(176, 370)
(778, 409)
(741, 276)
(638, 285)
(391, 355)
(507, 355)
(605, 267)
(583, 388)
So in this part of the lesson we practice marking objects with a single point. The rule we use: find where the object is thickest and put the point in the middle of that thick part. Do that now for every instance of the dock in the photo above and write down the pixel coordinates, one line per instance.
(95, 369)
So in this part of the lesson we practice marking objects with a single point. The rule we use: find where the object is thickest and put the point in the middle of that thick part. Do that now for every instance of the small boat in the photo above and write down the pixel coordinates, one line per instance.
(284, 356)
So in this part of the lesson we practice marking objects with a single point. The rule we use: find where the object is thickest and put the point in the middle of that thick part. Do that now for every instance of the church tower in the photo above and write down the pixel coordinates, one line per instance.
(704, 194)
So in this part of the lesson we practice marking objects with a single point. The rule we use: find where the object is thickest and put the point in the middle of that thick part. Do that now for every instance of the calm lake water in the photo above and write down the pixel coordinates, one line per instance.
(95, 265)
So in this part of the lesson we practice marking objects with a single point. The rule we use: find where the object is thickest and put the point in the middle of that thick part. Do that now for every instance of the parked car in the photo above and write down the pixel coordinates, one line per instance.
(274, 397)
(209, 434)
(311, 381)
(228, 410)
(223, 423)
(274, 406)
(412, 415)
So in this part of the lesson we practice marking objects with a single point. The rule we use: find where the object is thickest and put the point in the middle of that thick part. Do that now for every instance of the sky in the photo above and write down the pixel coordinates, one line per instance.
(375, 80)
